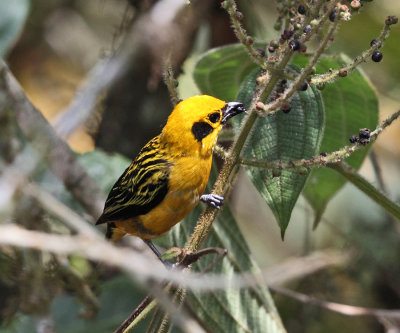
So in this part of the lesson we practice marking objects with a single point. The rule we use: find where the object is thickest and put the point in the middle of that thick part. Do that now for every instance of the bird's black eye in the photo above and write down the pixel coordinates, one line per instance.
(214, 117)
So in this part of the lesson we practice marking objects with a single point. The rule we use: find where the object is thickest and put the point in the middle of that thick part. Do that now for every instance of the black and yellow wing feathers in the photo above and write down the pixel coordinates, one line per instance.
(141, 187)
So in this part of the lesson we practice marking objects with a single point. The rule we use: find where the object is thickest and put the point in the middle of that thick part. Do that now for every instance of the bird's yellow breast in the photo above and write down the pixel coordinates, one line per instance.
(187, 181)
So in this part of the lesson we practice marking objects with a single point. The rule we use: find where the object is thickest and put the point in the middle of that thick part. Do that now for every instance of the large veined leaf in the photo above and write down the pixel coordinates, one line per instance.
(284, 137)
(12, 18)
(350, 104)
(232, 310)
(220, 71)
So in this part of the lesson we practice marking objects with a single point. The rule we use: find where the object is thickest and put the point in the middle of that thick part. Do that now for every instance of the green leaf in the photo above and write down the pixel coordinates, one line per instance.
(12, 18)
(233, 310)
(220, 71)
(105, 168)
(350, 104)
(285, 137)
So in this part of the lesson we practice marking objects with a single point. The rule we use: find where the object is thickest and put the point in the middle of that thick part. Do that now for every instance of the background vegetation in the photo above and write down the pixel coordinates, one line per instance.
(59, 52)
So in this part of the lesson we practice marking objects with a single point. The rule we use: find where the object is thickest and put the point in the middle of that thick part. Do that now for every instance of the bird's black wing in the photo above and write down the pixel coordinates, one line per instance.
(141, 187)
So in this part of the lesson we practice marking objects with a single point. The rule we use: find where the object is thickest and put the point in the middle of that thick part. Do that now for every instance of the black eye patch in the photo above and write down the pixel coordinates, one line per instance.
(214, 117)
(201, 129)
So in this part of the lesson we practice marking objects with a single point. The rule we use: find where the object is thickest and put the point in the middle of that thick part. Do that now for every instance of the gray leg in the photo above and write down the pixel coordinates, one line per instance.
(157, 253)
(212, 199)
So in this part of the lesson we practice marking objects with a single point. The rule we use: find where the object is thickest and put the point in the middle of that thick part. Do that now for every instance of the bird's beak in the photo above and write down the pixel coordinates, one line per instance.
(231, 109)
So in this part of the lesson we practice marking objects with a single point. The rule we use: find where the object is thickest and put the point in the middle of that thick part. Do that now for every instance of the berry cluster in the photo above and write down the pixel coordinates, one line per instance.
(362, 138)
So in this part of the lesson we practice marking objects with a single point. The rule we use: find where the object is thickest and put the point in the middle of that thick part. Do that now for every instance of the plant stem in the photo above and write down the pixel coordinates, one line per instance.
(320, 161)
(334, 74)
(356, 179)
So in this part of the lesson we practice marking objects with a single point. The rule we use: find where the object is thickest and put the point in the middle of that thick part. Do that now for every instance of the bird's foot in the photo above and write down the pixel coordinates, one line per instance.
(213, 199)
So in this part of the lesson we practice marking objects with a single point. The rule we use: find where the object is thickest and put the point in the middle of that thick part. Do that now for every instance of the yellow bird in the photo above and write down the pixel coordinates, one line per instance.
(167, 178)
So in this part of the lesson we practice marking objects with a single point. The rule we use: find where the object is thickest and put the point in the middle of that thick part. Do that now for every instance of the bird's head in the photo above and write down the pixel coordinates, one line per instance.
(195, 123)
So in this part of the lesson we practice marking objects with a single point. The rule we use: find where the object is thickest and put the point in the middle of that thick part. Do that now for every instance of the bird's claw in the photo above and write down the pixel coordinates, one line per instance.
(213, 199)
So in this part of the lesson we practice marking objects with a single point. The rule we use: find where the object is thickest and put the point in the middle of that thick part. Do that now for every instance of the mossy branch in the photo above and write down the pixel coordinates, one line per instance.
(324, 159)
(334, 74)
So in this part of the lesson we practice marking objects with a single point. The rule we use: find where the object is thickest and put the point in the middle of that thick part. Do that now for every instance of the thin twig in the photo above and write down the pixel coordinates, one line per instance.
(141, 267)
(320, 161)
(49, 146)
(146, 36)
(332, 75)
(274, 106)
(170, 82)
(61, 211)
(344, 309)
(136, 314)
(244, 38)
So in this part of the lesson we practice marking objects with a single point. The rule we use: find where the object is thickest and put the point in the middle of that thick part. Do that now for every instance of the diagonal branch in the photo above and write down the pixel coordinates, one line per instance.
(49, 146)
(344, 309)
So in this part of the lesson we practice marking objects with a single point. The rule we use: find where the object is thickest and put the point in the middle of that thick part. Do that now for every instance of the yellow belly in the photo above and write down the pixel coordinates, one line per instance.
(187, 181)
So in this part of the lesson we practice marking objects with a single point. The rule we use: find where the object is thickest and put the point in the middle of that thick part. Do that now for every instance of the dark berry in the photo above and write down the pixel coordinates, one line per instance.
(323, 154)
(274, 43)
(287, 33)
(271, 49)
(331, 38)
(249, 40)
(239, 16)
(303, 86)
(294, 45)
(364, 133)
(376, 42)
(391, 20)
(261, 52)
(377, 56)
(307, 29)
(332, 16)
(286, 108)
(343, 72)
(353, 139)
(301, 9)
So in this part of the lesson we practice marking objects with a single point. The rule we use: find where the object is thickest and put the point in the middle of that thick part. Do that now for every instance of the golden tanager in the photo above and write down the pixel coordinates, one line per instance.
(167, 178)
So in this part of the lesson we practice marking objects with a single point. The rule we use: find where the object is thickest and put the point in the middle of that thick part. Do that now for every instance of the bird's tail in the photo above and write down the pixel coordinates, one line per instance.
(113, 233)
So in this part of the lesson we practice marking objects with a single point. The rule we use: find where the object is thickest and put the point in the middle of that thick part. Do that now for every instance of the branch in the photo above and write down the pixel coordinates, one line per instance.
(171, 82)
(274, 106)
(334, 74)
(142, 268)
(320, 161)
(49, 146)
(344, 309)
(242, 35)
(149, 36)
